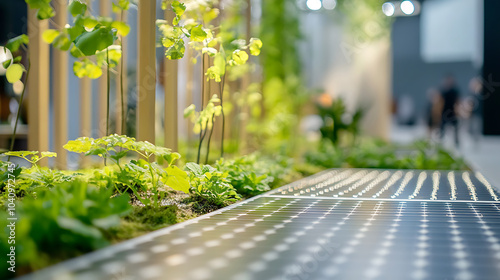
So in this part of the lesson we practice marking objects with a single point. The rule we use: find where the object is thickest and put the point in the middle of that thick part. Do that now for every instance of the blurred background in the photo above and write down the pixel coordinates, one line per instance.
(426, 68)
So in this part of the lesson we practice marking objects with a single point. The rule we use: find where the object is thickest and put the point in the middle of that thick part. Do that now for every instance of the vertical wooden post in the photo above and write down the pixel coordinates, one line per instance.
(119, 84)
(85, 114)
(38, 86)
(170, 113)
(104, 11)
(146, 71)
(189, 91)
(60, 91)
(245, 82)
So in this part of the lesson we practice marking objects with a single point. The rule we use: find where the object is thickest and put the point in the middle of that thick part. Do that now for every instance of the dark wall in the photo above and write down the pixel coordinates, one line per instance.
(411, 75)
(491, 68)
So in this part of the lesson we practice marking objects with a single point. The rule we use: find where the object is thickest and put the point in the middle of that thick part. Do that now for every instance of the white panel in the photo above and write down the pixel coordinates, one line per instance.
(450, 30)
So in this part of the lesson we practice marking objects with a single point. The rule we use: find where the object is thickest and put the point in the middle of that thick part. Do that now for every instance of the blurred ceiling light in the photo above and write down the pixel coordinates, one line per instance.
(329, 4)
(388, 9)
(407, 7)
(5, 55)
(313, 5)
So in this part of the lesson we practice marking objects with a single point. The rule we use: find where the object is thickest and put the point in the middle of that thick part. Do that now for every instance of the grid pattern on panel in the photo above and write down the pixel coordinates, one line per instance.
(395, 184)
(382, 224)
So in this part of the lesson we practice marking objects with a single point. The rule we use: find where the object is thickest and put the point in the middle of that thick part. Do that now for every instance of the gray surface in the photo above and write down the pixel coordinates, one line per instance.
(277, 236)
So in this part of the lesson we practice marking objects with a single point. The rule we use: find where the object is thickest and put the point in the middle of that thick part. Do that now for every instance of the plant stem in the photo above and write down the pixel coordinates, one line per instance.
(222, 113)
(107, 92)
(107, 95)
(202, 101)
(12, 140)
(210, 138)
(202, 136)
(124, 115)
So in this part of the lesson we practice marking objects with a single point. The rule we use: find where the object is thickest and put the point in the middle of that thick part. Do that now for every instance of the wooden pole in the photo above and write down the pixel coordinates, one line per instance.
(120, 83)
(85, 114)
(38, 86)
(60, 91)
(189, 92)
(171, 131)
(146, 71)
(245, 82)
(104, 11)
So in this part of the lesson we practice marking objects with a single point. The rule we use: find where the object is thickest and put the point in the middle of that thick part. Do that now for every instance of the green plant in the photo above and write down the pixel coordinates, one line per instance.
(142, 175)
(209, 186)
(63, 222)
(336, 120)
(195, 24)
(242, 176)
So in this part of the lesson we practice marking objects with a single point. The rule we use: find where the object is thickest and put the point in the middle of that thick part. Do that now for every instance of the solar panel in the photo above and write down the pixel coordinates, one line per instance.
(316, 235)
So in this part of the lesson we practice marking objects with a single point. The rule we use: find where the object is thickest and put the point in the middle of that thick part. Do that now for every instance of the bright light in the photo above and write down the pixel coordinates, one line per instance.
(407, 7)
(329, 4)
(388, 9)
(4, 56)
(313, 4)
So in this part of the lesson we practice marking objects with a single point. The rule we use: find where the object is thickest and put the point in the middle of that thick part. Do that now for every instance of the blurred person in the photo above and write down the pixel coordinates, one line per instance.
(474, 106)
(449, 102)
(433, 110)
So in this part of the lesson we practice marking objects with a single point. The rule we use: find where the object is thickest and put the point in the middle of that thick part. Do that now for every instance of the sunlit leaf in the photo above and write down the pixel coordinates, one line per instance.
(198, 34)
(178, 8)
(16, 42)
(122, 28)
(49, 35)
(14, 73)
(255, 46)
(176, 51)
(240, 57)
(77, 8)
(95, 40)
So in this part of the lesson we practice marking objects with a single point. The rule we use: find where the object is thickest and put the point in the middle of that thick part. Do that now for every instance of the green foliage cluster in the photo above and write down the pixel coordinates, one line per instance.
(62, 222)
(380, 154)
(254, 174)
(210, 186)
(145, 178)
(337, 121)
(90, 38)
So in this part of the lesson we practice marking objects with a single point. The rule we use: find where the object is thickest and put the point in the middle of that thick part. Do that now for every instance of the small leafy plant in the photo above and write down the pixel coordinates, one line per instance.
(143, 177)
(210, 187)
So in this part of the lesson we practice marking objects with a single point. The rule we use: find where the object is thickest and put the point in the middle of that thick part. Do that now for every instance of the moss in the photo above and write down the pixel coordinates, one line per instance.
(144, 219)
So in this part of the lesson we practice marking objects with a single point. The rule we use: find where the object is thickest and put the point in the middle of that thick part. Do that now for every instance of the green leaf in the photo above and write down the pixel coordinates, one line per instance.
(14, 73)
(89, 22)
(194, 168)
(18, 59)
(121, 27)
(77, 8)
(76, 52)
(49, 35)
(6, 63)
(176, 20)
(240, 57)
(177, 179)
(198, 34)
(176, 51)
(45, 12)
(255, 46)
(62, 42)
(97, 40)
(16, 42)
(48, 154)
(178, 8)
(86, 68)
